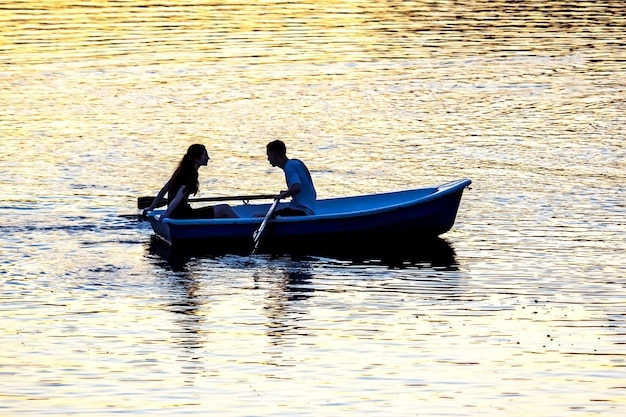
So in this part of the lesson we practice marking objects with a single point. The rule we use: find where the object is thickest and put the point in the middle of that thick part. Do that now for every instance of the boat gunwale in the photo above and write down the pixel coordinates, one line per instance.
(438, 192)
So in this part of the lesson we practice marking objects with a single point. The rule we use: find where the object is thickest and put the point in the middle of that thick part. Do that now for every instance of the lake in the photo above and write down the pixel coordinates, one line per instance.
(518, 310)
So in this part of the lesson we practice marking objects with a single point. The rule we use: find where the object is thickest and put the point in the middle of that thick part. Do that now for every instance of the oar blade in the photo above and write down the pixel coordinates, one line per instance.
(145, 202)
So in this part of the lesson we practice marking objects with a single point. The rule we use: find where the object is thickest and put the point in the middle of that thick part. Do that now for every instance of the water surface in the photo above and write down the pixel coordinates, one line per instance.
(518, 310)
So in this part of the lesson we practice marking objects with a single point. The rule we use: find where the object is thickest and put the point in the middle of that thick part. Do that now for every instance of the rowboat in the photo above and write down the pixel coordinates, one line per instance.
(360, 221)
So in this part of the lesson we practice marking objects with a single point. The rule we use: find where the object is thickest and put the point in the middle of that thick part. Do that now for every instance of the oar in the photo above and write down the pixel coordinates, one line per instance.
(268, 216)
(145, 202)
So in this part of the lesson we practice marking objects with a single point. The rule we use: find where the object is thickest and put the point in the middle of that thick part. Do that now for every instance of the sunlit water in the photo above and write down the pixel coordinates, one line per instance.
(526, 317)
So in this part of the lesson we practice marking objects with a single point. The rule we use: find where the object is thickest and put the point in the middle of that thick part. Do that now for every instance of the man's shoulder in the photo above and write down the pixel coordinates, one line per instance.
(295, 162)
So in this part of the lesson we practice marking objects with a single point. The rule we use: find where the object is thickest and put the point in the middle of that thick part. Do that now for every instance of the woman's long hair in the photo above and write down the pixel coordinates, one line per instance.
(186, 173)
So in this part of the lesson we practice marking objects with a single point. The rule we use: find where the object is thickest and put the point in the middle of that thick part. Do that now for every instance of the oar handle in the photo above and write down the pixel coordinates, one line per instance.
(145, 202)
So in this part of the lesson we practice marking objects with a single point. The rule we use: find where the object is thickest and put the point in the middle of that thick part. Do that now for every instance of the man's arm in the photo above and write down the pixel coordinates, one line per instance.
(291, 191)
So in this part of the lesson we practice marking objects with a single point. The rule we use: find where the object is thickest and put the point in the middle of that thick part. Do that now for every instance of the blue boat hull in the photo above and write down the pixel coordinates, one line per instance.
(414, 214)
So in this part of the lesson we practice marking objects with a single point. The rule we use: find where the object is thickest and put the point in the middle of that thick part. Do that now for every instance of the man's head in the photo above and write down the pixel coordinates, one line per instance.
(276, 153)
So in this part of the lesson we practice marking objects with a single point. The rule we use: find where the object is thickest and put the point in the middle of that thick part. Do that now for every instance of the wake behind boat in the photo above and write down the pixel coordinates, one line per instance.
(371, 219)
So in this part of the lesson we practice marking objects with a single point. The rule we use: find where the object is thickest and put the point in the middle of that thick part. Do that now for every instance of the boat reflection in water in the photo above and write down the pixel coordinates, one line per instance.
(432, 252)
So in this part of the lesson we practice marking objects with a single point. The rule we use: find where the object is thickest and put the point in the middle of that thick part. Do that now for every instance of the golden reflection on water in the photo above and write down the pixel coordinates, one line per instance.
(320, 31)
(525, 98)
